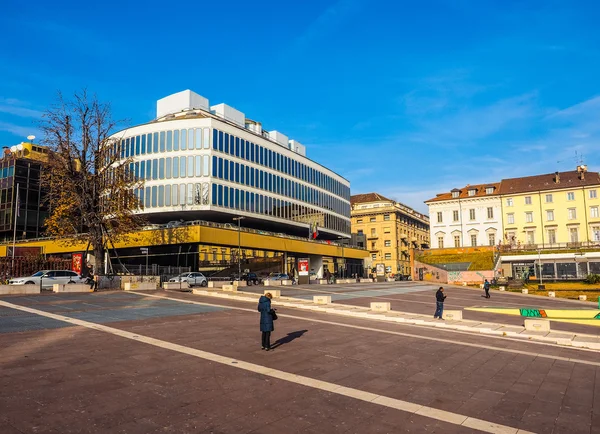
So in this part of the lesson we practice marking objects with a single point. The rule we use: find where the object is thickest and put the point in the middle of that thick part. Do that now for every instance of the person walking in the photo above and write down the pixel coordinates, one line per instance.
(266, 320)
(439, 303)
(486, 287)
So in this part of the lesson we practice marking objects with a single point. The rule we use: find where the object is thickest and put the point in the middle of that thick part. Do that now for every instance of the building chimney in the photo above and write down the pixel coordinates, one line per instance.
(556, 178)
(581, 171)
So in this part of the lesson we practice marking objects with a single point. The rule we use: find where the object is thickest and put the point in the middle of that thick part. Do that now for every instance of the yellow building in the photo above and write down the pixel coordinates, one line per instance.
(391, 230)
(552, 210)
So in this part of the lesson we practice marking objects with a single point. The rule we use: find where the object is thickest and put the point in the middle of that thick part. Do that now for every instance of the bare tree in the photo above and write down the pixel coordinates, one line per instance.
(92, 189)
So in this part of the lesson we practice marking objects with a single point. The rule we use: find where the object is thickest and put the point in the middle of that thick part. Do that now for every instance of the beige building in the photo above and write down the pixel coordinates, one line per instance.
(391, 231)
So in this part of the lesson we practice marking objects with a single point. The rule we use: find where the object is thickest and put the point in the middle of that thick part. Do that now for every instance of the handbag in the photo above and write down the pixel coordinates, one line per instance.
(273, 314)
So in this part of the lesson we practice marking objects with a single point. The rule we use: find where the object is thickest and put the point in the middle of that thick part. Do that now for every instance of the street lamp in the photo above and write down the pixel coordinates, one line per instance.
(239, 219)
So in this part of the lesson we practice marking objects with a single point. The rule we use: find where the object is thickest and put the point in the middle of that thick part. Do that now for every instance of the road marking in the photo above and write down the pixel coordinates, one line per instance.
(410, 335)
(384, 401)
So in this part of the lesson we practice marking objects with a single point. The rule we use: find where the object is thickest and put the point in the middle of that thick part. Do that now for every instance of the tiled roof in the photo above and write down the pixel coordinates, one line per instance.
(548, 182)
(368, 197)
(464, 192)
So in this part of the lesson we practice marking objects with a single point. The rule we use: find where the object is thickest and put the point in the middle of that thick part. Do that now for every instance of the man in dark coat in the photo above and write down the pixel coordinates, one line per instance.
(439, 303)
(266, 320)
(486, 287)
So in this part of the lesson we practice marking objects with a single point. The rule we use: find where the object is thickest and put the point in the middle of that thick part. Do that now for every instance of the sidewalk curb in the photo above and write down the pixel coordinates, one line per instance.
(567, 339)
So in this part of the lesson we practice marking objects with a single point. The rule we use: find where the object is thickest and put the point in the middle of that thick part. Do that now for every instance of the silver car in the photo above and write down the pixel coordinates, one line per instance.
(192, 279)
(48, 278)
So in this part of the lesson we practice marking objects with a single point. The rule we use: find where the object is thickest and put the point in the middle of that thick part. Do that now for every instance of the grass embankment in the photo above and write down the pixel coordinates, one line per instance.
(569, 290)
(479, 261)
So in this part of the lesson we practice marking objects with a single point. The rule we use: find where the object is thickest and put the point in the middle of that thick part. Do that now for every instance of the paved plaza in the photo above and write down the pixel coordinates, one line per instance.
(172, 362)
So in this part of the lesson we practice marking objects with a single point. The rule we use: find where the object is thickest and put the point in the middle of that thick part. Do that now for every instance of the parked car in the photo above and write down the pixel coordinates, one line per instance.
(48, 278)
(251, 279)
(193, 279)
(278, 276)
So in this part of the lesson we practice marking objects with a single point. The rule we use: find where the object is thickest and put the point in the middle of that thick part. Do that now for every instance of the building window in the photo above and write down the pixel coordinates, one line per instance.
(527, 200)
(593, 194)
(570, 195)
(530, 237)
(386, 217)
(388, 256)
(439, 217)
(359, 221)
(472, 214)
(373, 232)
(509, 201)
(473, 240)
(456, 240)
(510, 218)
(455, 194)
(492, 239)
(372, 219)
(374, 256)
(596, 233)
(472, 192)
(574, 235)
(550, 215)
(490, 212)
(387, 243)
(552, 236)
(548, 198)
(373, 245)
(386, 230)
(455, 215)
(489, 190)
(529, 217)
(441, 242)
(360, 232)
(572, 213)
(594, 212)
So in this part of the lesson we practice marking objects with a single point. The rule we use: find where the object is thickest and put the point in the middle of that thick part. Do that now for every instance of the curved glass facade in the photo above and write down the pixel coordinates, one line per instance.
(207, 168)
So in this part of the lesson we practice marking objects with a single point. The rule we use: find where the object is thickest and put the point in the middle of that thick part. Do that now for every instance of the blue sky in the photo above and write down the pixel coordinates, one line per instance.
(407, 99)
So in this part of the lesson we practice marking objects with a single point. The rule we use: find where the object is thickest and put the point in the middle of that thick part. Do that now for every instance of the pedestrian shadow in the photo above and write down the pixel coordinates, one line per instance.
(289, 338)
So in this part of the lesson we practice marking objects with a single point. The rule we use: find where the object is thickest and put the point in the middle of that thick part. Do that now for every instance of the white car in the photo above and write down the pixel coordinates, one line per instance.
(48, 278)
(192, 279)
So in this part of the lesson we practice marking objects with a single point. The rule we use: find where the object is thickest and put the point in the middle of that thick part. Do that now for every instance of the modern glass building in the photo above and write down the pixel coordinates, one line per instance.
(202, 162)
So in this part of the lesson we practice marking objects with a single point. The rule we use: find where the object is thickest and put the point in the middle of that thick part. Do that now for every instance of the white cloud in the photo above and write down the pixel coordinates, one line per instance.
(16, 107)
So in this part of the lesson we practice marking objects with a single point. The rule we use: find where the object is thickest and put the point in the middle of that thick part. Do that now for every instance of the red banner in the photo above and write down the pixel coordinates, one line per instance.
(77, 262)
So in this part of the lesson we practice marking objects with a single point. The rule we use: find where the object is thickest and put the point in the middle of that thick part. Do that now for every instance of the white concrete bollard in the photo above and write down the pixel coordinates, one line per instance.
(19, 289)
(537, 325)
(452, 315)
(322, 299)
(464, 284)
(274, 292)
(381, 306)
(524, 291)
(551, 294)
(583, 297)
(229, 288)
(502, 288)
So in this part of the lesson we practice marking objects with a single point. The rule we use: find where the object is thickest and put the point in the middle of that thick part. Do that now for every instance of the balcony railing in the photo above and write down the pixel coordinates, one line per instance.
(575, 245)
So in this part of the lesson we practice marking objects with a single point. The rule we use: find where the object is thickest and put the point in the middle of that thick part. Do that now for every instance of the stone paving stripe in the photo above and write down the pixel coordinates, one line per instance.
(428, 338)
(432, 413)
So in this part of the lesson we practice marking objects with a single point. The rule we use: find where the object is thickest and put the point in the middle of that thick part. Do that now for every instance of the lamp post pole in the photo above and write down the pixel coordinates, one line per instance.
(239, 219)
(540, 265)
(343, 270)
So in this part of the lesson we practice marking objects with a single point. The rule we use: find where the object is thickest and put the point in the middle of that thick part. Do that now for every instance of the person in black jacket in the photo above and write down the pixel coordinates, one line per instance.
(486, 287)
(439, 303)
(266, 320)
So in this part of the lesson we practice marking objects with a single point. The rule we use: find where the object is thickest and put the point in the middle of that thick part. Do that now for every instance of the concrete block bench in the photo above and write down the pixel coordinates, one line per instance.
(322, 299)
(240, 283)
(217, 284)
(322, 281)
(452, 315)
(175, 285)
(274, 292)
(272, 283)
(71, 287)
(229, 287)
(287, 282)
(381, 306)
(19, 289)
(551, 294)
(524, 291)
(139, 286)
(366, 280)
(583, 297)
(502, 288)
(537, 325)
